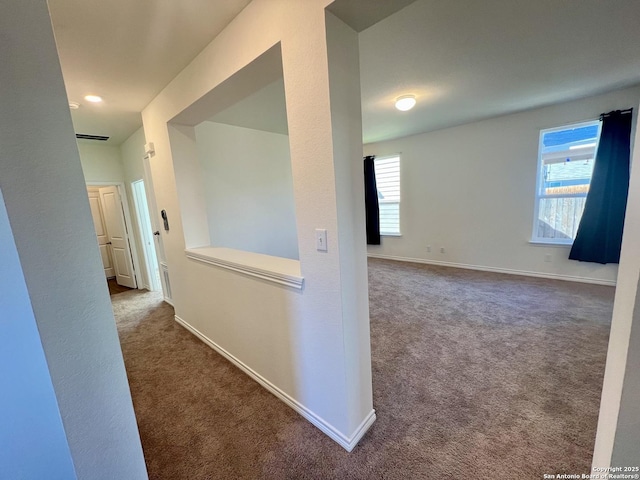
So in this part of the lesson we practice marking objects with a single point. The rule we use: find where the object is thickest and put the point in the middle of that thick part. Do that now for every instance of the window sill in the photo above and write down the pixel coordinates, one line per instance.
(540, 243)
(282, 271)
(390, 234)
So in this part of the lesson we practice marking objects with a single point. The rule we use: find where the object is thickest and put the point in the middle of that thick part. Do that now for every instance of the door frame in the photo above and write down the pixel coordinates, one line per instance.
(129, 224)
(109, 272)
(149, 257)
(155, 225)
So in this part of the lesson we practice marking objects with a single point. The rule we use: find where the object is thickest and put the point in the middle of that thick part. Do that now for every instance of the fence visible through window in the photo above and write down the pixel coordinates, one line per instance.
(565, 165)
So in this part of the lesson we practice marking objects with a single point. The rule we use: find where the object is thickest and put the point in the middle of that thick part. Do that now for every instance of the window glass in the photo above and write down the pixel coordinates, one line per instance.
(565, 164)
(387, 171)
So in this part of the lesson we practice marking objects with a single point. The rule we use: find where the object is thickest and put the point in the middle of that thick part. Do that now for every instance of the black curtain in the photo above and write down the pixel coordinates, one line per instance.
(599, 236)
(371, 202)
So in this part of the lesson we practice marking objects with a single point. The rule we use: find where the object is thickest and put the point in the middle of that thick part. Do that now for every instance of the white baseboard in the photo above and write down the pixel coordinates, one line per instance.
(554, 276)
(346, 442)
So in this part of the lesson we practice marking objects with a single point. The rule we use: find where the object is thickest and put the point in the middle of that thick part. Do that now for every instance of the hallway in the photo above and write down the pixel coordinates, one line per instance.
(199, 416)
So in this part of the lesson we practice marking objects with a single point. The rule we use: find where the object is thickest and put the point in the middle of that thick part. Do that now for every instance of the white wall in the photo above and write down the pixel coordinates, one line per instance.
(103, 164)
(471, 190)
(346, 122)
(33, 444)
(626, 449)
(249, 189)
(303, 343)
(100, 163)
(48, 209)
(131, 155)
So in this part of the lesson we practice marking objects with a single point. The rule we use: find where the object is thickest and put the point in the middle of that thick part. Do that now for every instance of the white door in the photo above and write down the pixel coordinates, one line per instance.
(153, 207)
(146, 233)
(101, 231)
(117, 234)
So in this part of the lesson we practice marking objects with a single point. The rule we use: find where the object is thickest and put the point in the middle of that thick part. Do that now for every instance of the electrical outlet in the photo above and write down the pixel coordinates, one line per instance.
(429, 248)
(441, 249)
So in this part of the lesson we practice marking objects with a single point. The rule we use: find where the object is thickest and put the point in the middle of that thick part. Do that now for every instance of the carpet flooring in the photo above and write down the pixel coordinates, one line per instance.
(475, 375)
(114, 288)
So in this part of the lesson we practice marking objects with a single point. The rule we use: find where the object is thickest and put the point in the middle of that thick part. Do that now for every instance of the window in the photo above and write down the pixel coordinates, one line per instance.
(388, 183)
(566, 157)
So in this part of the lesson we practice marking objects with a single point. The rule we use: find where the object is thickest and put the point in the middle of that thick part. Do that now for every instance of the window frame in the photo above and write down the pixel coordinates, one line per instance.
(399, 202)
(538, 196)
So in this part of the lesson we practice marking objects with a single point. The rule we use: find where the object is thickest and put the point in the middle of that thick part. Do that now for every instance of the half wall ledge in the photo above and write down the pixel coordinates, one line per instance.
(283, 271)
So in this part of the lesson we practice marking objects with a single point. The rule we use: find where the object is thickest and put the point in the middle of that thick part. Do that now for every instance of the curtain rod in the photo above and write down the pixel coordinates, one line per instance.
(621, 112)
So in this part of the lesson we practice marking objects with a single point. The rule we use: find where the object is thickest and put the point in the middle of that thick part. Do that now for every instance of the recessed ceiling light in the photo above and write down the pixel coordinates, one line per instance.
(405, 102)
(93, 98)
(74, 105)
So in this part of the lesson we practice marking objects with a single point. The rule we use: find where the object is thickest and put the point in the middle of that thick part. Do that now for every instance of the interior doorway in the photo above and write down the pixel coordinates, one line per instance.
(112, 224)
(146, 235)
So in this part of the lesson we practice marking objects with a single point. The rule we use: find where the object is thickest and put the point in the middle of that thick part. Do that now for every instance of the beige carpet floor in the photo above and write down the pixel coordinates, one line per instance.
(475, 375)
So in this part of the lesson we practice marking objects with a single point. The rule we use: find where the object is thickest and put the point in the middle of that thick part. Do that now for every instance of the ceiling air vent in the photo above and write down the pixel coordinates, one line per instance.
(84, 136)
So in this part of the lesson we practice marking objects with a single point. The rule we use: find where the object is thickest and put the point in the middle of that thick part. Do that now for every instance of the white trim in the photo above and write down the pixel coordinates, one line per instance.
(360, 431)
(540, 243)
(509, 271)
(166, 283)
(346, 442)
(266, 267)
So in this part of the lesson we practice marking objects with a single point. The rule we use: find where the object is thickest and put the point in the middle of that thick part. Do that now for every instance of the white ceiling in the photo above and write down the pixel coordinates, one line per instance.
(469, 59)
(127, 51)
(464, 59)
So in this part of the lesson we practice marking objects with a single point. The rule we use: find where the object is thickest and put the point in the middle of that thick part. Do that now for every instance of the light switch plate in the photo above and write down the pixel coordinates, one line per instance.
(321, 239)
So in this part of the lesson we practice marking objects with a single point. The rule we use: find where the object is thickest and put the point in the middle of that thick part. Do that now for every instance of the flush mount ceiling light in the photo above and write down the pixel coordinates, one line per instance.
(405, 102)
(74, 105)
(93, 98)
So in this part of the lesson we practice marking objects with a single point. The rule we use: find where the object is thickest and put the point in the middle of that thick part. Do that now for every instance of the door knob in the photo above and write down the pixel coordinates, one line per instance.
(156, 233)
(108, 243)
